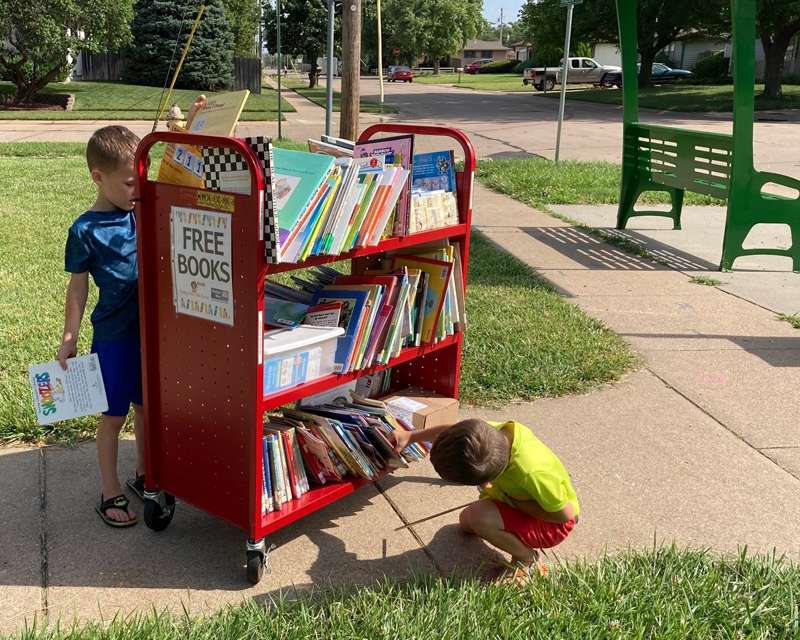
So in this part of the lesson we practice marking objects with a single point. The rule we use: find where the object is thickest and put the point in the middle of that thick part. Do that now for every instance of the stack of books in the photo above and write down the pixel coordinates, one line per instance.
(327, 443)
(407, 299)
(433, 192)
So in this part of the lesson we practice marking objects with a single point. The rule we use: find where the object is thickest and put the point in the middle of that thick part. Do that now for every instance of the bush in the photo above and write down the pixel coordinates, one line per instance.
(712, 69)
(525, 64)
(209, 63)
(499, 66)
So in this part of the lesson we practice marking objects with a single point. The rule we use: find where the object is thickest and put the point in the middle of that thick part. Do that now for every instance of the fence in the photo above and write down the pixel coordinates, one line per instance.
(247, 74)
(99, 66)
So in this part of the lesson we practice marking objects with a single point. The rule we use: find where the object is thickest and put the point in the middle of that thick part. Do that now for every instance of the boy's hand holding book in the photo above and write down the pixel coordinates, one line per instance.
(68, 349)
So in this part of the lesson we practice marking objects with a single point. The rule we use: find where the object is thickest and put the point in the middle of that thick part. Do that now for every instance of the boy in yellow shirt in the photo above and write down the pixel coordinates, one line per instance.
(527, 501)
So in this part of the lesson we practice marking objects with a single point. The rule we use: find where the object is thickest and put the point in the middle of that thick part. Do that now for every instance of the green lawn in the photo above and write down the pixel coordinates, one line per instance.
(663, 593)
(318, 95)
(538, 346)
(688, 98)
(539, 182)
(116, 101)
(483, 81)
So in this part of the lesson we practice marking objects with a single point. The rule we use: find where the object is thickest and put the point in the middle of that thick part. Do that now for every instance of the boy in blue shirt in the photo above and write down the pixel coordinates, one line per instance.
(102, 242)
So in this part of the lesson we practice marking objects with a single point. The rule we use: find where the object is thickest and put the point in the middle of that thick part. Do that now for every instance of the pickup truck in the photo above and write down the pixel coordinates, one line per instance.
(581, 71)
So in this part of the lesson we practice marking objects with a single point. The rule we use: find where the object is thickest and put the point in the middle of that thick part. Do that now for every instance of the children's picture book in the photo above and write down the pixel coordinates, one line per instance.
(60, 395)
(397, 151)
(298, 178)
(324, 315)
(216, 116)
(354, 304)
(434, 171)
(283, 313)
(438, 282)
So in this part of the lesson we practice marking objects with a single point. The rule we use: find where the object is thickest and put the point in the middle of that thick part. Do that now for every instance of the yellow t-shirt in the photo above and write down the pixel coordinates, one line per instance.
(533, 473)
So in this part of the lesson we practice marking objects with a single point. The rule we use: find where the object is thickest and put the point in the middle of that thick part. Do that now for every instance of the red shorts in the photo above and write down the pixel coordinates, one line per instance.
(535, 533)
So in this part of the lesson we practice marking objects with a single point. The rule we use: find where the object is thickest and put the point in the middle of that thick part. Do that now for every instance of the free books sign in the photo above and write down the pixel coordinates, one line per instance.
(202, 272)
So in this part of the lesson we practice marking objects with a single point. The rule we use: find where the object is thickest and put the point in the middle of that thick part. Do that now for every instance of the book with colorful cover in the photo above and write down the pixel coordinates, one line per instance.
(354, 304)
(434, 171)
(438, 281)
(298, 177)
(397, 151)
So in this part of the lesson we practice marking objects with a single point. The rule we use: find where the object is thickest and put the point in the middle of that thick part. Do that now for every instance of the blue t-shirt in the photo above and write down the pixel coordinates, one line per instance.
(104, 244)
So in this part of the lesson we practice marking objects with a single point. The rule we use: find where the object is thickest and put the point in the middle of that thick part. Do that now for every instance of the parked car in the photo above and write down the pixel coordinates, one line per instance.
(401, 74)
(473, 67)
(662, 74)
(581, 71)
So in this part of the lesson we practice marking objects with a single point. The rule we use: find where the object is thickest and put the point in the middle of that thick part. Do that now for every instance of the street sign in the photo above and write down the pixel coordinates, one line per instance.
(396, 51)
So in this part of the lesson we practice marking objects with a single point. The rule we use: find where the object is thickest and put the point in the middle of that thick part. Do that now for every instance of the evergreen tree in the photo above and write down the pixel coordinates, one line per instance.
(156, 24)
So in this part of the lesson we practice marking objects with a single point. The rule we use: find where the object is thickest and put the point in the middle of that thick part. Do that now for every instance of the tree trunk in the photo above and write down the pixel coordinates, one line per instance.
(436, 67)
(646, 70)
(27, 90)
(351, 67)
(774, 54)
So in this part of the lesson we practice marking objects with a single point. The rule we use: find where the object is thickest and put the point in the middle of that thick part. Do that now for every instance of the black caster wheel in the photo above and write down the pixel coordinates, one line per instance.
(158, 511)
(255, 566)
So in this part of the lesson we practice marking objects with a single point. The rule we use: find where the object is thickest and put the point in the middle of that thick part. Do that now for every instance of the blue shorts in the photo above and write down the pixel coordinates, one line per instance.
(121, 365)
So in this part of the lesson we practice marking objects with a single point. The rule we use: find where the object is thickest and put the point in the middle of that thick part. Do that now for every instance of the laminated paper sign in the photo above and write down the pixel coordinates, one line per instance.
(202, 271)
(60, 395)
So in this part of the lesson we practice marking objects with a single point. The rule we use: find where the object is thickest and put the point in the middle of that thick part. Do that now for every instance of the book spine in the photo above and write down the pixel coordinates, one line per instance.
(287, 481)
(288, 454)
(277, 473)
(268, 503)
(298, 458)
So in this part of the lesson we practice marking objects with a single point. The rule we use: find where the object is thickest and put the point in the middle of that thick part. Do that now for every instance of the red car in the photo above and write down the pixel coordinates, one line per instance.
(473, 67)
(401, 74)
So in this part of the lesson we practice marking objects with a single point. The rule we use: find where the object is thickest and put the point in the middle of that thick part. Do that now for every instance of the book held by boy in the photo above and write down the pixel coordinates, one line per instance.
(60, 395)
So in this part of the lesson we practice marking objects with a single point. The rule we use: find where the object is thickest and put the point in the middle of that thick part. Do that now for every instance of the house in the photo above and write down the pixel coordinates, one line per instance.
(521, 50)
(479, 50)
(685, 52)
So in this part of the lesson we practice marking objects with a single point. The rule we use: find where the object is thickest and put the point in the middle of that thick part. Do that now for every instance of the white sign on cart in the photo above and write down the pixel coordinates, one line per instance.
(202, 271)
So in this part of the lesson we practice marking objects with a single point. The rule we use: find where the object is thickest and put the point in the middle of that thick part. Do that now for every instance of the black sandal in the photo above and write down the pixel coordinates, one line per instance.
(137, 485)
(117, 502)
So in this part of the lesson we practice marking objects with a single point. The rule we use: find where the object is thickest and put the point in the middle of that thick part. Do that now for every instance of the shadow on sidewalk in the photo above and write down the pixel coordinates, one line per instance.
(197, 551)
(593, 253)
(776, 351)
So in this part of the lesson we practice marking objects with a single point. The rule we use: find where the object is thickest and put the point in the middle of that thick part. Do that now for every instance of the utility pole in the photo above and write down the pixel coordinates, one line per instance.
(501, 25)
(278, 47)
(329, 71)
(380, 54)
(351, 67)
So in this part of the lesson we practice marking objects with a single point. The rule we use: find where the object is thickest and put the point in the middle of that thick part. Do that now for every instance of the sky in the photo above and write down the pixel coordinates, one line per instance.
(491, 10)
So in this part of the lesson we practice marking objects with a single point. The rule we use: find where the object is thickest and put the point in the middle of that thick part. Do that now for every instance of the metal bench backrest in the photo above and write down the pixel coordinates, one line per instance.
(682, 158)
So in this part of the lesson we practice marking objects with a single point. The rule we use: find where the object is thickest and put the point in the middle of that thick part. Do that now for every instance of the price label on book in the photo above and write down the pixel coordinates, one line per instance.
(202, 270)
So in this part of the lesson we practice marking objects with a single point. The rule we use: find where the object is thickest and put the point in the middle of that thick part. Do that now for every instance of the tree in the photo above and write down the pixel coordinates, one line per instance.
(404, 28)
(155, 27)
(448, 24)
(243, 18)
(37, 36)
(512, 32)
(304, 30)
(778, 22)
(659, 22)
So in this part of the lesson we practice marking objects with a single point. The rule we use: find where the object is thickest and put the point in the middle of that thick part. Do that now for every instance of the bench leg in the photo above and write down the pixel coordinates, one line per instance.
(676, 195)
(628, 196)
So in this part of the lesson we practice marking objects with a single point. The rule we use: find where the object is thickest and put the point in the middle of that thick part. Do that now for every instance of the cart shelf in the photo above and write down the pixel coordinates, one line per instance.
(390, 244)
(334, 380)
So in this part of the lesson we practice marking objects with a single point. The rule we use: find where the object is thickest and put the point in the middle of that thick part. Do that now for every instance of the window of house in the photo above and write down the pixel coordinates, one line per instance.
(486, 53)
(469, 53)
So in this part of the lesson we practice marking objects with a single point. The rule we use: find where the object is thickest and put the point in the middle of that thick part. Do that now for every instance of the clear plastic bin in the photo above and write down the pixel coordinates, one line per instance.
(298, 355)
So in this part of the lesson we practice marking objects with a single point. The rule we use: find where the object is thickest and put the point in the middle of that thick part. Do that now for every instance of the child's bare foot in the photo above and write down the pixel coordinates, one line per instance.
(115, 512)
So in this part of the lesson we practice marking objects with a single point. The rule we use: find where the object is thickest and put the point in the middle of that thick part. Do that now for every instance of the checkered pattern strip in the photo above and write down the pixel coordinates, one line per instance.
(217, 161)
(262, 147)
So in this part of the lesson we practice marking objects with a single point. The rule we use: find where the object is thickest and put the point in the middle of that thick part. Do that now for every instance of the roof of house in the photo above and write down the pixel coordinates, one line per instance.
(486, 45)
(520, 43)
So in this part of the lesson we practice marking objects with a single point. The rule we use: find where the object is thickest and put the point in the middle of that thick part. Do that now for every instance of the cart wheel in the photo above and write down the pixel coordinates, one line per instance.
(255, 566)
(158, 513)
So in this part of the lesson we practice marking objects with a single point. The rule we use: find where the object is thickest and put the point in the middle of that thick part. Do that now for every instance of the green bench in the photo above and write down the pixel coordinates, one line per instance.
(659, 158)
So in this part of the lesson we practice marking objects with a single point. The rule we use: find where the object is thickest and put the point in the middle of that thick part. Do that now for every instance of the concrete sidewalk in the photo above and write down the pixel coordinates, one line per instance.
(700, 446)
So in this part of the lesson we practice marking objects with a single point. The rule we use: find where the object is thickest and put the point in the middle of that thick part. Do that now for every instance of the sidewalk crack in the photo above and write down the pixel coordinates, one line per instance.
(44, 570)
(411, 529)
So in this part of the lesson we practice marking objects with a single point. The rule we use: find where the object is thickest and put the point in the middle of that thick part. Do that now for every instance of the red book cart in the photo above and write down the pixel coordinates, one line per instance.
(203, 380)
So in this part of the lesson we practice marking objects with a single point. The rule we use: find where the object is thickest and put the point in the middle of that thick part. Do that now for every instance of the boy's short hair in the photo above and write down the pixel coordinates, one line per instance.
(111, 147)
(470, 452)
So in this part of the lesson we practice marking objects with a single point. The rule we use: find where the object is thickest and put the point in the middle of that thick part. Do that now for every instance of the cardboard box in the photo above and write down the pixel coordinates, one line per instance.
(422, 408)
